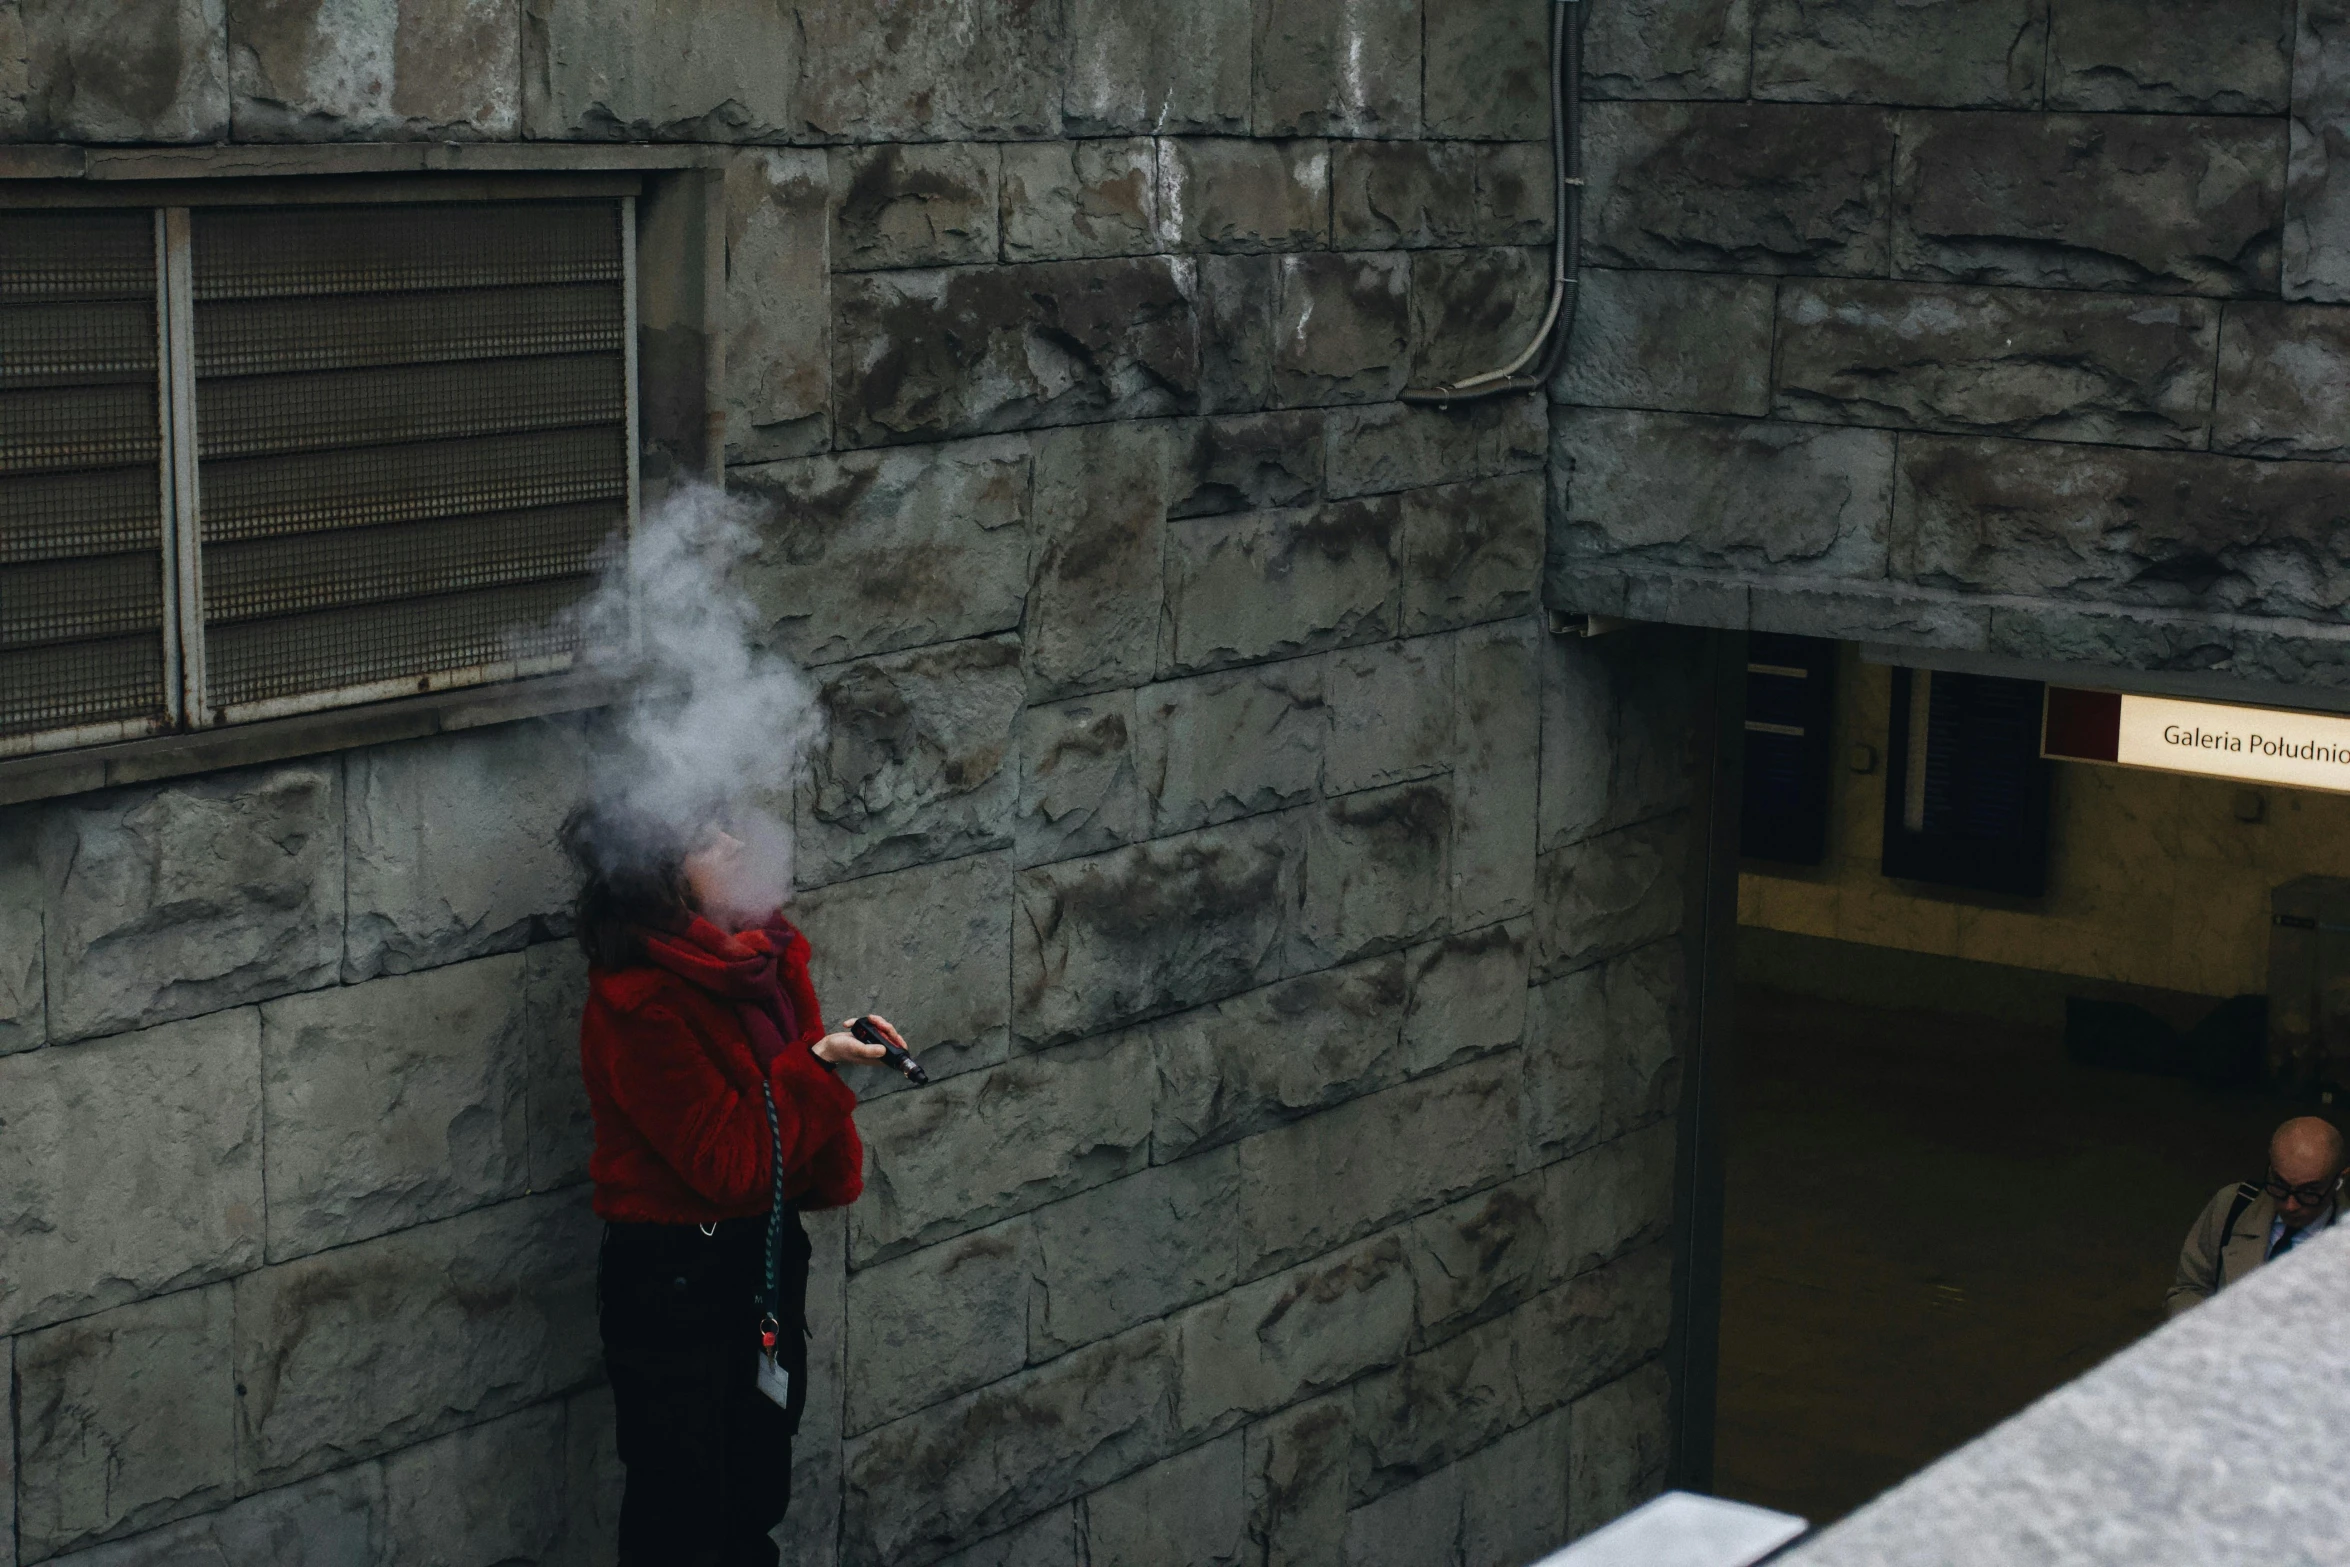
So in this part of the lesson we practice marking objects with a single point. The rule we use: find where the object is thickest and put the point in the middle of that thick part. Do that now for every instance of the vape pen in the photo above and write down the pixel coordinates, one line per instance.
(863, 1029)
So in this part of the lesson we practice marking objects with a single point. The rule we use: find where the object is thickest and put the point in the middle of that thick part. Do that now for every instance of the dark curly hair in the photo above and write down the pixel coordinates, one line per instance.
(632, 879)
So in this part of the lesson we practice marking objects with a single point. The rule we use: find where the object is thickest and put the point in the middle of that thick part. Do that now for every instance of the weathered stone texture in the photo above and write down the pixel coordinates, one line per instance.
(1083, 198)
(1189, 1511)
(2161, 204)
(336, 1520)
(1263, 1059)
(1341, 328)
(1606, 1201)
(2282, 382)
(1140, 931)
(811, 1531)
(1472, 309)
(2170, 530)
(1221, 746)
(1078, 791)
(593, 1477)
(368, 1348)
(1603, 1050)
(916, 764)
(922, 356)
(1517, 200)
(118, 71)
(381, 71)
(1376, 873)
(669, 70)
(562, 1131)
(937, 1322)
(1738, 187)
(1621, 1441)
(1495, 743)
(1468, 996)
(2221, 57)
(1253, 463)
(2054, 365)
(876, 552)
(1047, 1540)
(1397, 446)
(1337, 68)
(24, 1002)
(1008, 1451)
(1402, 195)
(886, 70)
(1487, 73)
(1236, 305)
(1473, 1260)
(127, 1420)
(131, 1166)
(1266, 584)
(1610, 893)
(925, 205)
(490, 1493)
(1133, 1250)
(988, 1145)
(1690, 491)
(2317, 191)
(778, 353)
(1471, 552)
(1364, 1165)
(1269, 1344)
(1986, 56)
(1391, 713)
(1179, 69)
(185, 898)
(1297, 1482)
(1681, 341)
(929, 948)
(393, 1102)
(1669, 49)
(1230, 194)
(449, 846)
(1099, 557)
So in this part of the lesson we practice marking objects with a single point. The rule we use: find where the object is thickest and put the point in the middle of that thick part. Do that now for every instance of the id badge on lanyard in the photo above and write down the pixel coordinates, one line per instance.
(774, 1376)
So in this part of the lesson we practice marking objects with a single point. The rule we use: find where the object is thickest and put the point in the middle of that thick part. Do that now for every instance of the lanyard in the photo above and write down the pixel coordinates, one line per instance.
(770, 1299)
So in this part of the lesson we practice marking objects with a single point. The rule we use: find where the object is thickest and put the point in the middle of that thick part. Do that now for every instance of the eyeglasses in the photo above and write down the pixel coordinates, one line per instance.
(2311, 1195)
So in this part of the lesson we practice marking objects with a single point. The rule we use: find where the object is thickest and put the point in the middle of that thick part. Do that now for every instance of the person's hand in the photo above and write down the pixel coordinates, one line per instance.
(845, 1046)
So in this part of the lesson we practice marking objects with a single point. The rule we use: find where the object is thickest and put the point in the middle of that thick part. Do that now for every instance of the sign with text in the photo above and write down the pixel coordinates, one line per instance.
(2215, 739)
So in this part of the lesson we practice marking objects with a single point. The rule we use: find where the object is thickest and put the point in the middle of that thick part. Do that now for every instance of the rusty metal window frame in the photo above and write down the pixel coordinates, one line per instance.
(187, 703)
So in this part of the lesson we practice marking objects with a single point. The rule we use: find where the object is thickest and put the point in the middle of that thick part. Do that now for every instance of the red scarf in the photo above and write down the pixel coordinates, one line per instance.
(741, 966)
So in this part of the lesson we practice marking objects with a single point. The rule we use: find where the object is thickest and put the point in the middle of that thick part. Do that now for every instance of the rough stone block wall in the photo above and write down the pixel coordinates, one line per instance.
(1293, 926)
(2016, 327)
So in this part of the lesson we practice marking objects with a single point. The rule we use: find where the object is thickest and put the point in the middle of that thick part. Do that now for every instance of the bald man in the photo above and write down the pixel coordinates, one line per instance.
(2245, 1226)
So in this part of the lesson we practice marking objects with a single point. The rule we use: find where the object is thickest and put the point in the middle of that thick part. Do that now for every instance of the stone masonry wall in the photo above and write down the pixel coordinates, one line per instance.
(2015, 326)
(1293, 926)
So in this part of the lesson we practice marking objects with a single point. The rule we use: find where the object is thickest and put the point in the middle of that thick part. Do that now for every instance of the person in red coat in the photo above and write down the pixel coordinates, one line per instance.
(691, 1008)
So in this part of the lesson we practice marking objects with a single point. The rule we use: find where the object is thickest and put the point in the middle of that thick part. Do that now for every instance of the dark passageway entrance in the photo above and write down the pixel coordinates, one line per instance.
(1937, 1207)
(1931, 1220)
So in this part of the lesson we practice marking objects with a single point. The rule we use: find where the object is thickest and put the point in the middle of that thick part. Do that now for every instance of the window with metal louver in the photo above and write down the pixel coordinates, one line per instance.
(85, 647)
(414, 426)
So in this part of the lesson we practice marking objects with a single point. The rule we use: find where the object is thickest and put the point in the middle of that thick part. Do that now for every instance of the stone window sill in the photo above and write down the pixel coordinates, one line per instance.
(47, 777)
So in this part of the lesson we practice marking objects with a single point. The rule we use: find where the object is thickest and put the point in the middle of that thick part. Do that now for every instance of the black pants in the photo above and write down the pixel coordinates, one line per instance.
(708, 1455)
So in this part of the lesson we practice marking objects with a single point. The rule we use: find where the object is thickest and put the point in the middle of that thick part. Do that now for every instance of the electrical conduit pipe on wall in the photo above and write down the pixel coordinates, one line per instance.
(1549, 343)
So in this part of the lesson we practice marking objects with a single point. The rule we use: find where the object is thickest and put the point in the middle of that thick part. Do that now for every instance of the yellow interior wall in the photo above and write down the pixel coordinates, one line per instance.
(2152, 879)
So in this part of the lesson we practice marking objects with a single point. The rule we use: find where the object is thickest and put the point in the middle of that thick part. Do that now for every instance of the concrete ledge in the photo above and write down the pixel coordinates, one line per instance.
(244, 745)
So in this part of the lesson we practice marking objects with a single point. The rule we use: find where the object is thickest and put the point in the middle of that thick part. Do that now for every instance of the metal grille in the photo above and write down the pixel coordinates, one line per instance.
(81, 488)
(244, 337)
(413, 428)
(410, 640)
(288, 252)
(264, 496)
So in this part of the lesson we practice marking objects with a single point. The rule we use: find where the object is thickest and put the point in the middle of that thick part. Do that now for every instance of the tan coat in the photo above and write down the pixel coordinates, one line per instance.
(2211, 1261)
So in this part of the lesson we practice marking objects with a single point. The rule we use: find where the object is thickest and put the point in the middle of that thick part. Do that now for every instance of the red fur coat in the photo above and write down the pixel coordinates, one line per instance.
(673, 1079)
